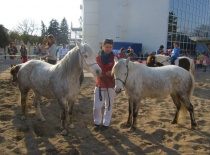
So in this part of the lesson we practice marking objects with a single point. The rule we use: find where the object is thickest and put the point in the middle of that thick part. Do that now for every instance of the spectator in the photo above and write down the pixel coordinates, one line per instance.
(42, 48)
(160, 50)
(122, 54)
(63, 51)
(128, 50)
(146, 55)
(35, 50)
(133, 56)
(51, 55)
(12, 50)
(23, 52)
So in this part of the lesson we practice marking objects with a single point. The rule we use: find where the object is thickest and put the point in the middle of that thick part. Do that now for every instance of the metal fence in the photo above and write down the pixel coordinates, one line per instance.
(5, 64)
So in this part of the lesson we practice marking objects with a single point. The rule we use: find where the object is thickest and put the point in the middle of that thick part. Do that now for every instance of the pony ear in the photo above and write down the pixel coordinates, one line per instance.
(80, 46)
(115, 59)
(127, 61)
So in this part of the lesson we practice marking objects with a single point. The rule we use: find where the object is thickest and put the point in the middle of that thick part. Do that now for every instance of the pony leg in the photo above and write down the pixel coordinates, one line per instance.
(69, 120)
(37, 101)
(190, 109)
(192, 117)
(178, 106)
(63, 117)
(135, 114)
(24, 104)
(130, 110)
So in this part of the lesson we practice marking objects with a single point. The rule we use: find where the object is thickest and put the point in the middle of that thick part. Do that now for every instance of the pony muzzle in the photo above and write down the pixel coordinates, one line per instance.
(118, 90)
(98, 72)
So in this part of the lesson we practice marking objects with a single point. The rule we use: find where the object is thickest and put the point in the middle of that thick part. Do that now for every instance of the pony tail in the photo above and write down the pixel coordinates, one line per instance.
(183, 110)
(192, 87)
(192, 68)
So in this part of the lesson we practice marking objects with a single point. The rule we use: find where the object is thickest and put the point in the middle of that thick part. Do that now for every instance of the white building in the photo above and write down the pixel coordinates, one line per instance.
(149, 22)
(138, 21)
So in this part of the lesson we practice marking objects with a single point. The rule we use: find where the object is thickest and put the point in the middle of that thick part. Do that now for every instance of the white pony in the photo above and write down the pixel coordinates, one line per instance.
(162, 60)
(141, 81)
(60, 81)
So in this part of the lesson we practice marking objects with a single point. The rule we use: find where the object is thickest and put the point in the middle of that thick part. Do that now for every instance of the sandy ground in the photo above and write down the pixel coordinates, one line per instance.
(154, 134)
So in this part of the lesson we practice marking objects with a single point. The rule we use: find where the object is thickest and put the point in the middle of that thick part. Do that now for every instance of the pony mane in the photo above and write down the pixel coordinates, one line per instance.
(69, 62)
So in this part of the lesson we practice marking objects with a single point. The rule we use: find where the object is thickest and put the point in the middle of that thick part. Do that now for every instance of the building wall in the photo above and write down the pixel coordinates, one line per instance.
(144, 21)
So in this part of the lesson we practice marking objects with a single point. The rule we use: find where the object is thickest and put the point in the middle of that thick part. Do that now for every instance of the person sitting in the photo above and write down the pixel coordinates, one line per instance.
(175, 53)
(160, 49)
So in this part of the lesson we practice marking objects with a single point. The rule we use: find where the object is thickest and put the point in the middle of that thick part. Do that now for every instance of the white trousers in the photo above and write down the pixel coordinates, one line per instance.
(97, 106)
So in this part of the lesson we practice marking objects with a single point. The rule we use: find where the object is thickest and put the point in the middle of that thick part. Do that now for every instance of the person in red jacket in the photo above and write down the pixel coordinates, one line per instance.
(104, 88)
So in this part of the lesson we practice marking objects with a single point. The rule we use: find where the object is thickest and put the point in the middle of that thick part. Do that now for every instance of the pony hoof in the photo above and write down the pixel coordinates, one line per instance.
(71, 126)
(23, 118)
(173, 122)
(128, 125)
(193, 127)
(43, 120)
(64, 132)
(132, 128)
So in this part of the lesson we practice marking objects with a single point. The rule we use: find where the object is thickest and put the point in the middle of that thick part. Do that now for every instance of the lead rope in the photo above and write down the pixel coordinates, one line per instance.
(100, 96)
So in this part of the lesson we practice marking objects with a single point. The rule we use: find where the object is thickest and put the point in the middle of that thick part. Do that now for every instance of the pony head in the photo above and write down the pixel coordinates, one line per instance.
(157, 60)
(151, 61)
(88, 59)
(120, 72)
(162, 59)
(14, 72)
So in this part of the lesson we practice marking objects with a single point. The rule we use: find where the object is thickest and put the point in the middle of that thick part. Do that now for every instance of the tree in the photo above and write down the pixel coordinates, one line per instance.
(54, 29)
(14, 35)
(43, 29)
(28, 27)
(4, 38)
(64, 31)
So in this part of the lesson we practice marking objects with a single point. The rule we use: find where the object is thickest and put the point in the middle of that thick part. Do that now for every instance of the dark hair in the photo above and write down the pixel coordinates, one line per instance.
(122, 49)
(108, 41)
(176, 43)
(161, 46)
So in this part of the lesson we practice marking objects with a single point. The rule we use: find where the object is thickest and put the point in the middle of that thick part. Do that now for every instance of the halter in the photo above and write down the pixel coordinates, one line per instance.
(123, 82)
(81, 53)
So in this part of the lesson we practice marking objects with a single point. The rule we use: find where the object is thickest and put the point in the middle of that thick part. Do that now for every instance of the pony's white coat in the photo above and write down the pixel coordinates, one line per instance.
(141, 81)
(165, 60)
(60, 81)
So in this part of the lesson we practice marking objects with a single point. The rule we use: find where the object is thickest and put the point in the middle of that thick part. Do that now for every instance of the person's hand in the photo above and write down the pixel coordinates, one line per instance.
(108, 73)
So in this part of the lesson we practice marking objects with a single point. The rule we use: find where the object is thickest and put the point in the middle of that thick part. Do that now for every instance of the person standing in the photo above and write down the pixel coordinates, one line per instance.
(51, 55)
(104, 88)
(160, 50)
(23, 52)
(133, 56)
(12, 50)
(122, 54)
(63, 51)
(175, 53)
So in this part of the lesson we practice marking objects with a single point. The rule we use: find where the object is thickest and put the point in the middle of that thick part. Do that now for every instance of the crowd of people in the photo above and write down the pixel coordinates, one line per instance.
(47, 50)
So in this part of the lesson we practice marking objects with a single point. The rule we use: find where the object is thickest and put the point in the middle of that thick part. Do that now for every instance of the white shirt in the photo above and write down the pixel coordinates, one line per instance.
(63, 52)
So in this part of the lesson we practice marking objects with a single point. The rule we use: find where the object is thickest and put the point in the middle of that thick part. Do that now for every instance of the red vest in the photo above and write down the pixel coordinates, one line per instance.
(105, 81)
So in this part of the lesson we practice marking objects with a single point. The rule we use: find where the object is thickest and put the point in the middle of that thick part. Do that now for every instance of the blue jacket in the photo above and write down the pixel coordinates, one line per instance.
(175, 53)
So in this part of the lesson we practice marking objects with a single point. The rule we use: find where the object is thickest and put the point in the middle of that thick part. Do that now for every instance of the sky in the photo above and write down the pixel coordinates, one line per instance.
(13, 12)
